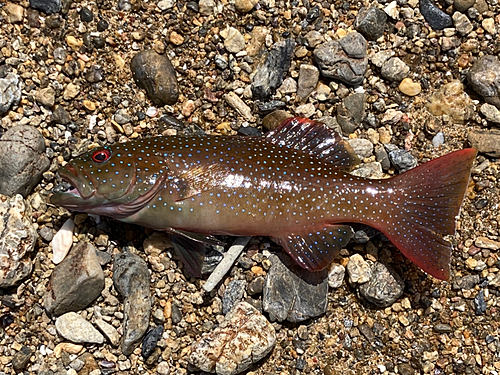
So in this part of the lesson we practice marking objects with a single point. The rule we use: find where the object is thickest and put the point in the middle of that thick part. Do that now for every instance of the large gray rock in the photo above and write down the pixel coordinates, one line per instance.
(10, 92)
(484, 77)
(131, 279)
(292, 293)
(243, 338)
(344, 59)
(155, 74)
(384, 287)
(75, 282)
(17, 240)
(22, 160)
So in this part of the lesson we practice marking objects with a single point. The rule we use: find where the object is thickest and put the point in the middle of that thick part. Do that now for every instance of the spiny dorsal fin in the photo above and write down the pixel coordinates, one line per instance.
(316, 139)
(315, 250)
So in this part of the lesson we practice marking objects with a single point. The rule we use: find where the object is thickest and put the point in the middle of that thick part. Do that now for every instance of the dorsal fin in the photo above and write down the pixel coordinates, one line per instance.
(316, 139)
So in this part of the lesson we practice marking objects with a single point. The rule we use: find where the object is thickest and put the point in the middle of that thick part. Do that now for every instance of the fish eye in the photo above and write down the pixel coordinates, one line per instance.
(100, 156)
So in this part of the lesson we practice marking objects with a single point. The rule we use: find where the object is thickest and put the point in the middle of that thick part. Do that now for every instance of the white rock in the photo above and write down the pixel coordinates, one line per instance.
(62, 241)
(73, 327)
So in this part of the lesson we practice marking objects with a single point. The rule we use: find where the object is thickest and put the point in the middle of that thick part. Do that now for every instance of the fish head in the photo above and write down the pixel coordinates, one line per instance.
(102, 177)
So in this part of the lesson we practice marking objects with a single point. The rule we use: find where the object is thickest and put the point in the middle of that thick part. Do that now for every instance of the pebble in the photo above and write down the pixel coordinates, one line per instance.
(462, 23)
(466, 282)
(239, 105)
(369, 170)
(122, 117)
(46, 97)
(71, 91)
(256, 286)
(155, 74)
(370, 22)
(362, 147)
(166, 4)
(233, 294)
(292, 293)
(151, 340)
(442, 328)
(18, 238)
(243, 338)
(392, 10)
(131, 279)
(270, 74)
(15, 12)
(489, 25)
(245, 6)
(491, 113)
(485, 141)
(479, 303)
(486, 243)
(358, 270)
(308, 80)
(435, 17)
(10, 92)
(344, 60)
(206, 7)
(76, 282)
(176, 38)
(73, 327)
(21, 358)
(313, 38)
(384, 287)
(351, 112)
(86, 15)
(336, 273)
(484, 77)
(62, 241)
(438, 139)
(402, 160)
(463, 5)
(233, 40)
(46, 6)
(394, 69)
(410, 88)
(109, 331)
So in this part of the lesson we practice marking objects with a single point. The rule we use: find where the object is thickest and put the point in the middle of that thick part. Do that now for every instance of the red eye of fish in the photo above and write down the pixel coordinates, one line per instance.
(101, 156)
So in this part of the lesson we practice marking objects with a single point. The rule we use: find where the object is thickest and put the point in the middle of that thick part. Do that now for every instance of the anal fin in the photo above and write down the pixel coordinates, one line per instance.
(315, 250)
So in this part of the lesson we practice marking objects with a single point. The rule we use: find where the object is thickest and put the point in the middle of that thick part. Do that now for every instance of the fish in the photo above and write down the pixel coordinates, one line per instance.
(292, 185)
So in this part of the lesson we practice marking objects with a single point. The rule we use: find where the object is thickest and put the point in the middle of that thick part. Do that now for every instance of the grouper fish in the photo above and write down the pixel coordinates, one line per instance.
(292, 185)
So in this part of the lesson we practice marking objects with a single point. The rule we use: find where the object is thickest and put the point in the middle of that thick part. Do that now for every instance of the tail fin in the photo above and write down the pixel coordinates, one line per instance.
(427, 200)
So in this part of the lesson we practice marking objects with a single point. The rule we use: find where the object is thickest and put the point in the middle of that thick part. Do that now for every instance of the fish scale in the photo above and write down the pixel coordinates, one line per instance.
(292, 185)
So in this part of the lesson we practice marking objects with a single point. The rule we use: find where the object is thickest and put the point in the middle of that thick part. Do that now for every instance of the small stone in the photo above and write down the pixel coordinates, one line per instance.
(484, 77)
(131, 279)
(289, 86)
(73, 327)
(74, 43)
(466, 283)
(384, 286)
(166, 4)
(176, 38)
(369, 170)
(22, 160)
(155, 74)
(336, 273)
(463, 5)
(442, 328)
(491, 113)
(410, 88)
(313, 38)
(479, 303)
(394, 69)
(402, 160)
(10, 92)
(206, 7)
(76, 282)
(46, 6)
(362, 147)
(308, 80)
(438, 139)
(62, 241)
(239, 105)
(157, 243)
(122, 117)
(109, 331)
(60, 116)
(486, 243)
(270, 74)
(90, 105)
(305, 110)
(71, 91)
(435, 17)
(245, 6)
(370, 22)
(86, 15)
(256, 286)
(15, 12)
(233, 294)
(233, 40)
(392, 10)
(489, 25)
(244, 337)
(46, 97)
(21, 358)
(462, 23)
(358, 269)
(485, 141)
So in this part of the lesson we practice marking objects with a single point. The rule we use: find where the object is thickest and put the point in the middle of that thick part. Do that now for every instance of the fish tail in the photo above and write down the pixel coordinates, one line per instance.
(424, 207)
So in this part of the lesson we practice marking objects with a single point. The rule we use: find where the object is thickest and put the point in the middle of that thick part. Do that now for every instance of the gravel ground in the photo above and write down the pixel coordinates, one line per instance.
(403, 89)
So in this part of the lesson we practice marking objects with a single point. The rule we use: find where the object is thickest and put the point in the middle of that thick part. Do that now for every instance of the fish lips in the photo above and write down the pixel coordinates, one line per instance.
(74, 190)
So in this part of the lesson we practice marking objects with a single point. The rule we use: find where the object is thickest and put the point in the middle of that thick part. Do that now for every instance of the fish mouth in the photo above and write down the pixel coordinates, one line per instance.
(70, 192)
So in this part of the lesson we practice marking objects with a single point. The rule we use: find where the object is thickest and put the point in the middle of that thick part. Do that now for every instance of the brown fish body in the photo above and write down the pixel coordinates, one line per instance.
(291, 185)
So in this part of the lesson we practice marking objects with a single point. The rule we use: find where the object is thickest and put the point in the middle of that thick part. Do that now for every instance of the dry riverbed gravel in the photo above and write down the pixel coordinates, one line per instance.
(405, 81)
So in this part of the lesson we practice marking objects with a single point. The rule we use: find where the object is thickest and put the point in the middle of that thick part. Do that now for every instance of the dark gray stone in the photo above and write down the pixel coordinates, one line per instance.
(394, 69)
(10, 92)
(22, 160)
(485, 141)
(155, 74)
(17, 238)
(370, 22)
(443, 328)
(60, 116)
(21, 358)
(233, 294)
(270, 75)
(351, 112)
(75, 282)
(256, 286)
(484, 77)
(292, 293)
(150, 341)
(382, 157)
(344, 60)
(479, 303)
(384, 287)
(176, 314)
(131, 279)
(435, 17)
(402, 160)
(46, 6)
(467, 282)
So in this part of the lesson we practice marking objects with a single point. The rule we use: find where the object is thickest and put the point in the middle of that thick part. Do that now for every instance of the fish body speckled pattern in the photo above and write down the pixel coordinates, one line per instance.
(292, 185)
